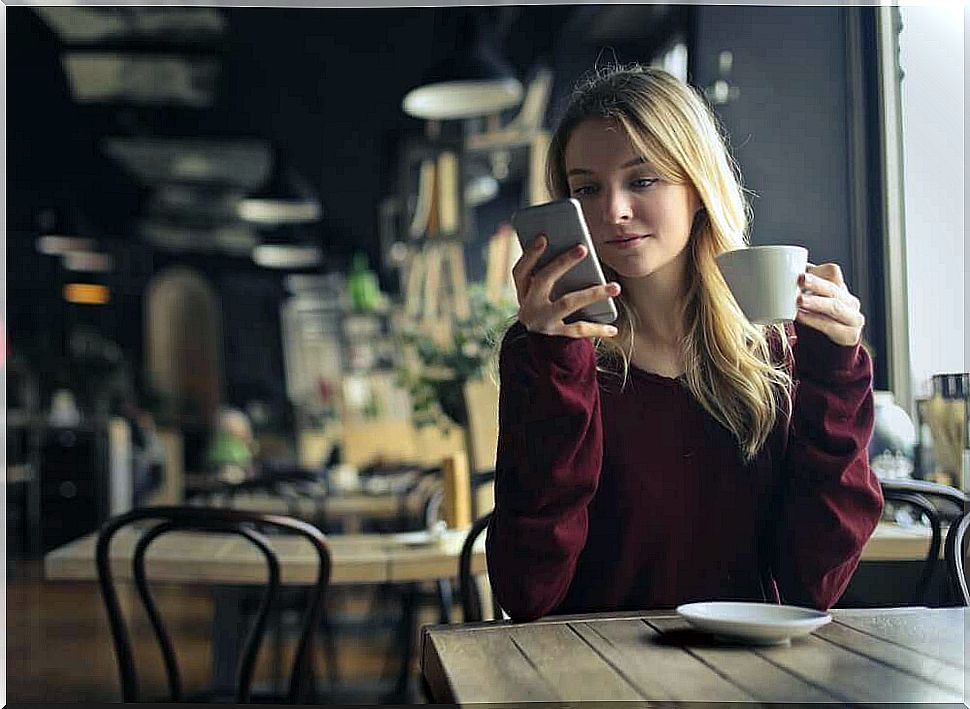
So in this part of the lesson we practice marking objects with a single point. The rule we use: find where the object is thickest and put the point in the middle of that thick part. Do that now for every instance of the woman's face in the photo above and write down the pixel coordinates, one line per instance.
(639, 223)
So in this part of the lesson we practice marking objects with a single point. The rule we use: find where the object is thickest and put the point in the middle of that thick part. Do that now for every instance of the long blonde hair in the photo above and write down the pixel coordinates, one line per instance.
(729, 367)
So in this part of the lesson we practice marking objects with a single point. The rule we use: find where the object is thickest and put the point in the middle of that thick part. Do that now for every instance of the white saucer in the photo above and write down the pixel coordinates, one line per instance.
(757, 623)
(417, 539)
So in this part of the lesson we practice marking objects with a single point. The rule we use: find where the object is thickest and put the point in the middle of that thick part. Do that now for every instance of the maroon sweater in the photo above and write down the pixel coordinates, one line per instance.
(627, 500)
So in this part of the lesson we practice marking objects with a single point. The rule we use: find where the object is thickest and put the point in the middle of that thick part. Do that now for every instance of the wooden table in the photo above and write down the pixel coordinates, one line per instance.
(885, 655)
(227, 559)
(349, 509)
(226, 562)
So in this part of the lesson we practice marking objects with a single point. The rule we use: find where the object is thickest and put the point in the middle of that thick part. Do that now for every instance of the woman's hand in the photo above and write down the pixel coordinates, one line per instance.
(827, 305)
(540, 314)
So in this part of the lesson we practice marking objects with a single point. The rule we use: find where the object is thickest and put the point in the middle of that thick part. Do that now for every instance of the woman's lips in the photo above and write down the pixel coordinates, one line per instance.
(626, 242)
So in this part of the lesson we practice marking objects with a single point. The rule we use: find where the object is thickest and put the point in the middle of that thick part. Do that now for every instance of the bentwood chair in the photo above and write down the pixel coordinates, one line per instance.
(471, 601)
(955, 553)
(938, 503)
(254, 527)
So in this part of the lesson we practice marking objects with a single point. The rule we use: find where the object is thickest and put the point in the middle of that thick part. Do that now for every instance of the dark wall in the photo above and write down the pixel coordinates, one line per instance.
(790, 130)
(788, 126)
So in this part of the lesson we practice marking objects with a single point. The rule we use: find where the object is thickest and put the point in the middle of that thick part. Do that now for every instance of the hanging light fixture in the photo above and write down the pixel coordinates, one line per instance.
(285, 199)
(481, 185)
(287, 256)
(474, 81)
(61, 233)
(287, 247)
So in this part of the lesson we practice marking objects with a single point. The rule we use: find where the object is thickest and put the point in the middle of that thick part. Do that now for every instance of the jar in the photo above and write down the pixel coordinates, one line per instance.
(946, 415)
(891, 449)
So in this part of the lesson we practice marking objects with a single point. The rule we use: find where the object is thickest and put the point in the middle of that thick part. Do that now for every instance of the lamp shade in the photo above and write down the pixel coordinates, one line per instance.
(472, 81)
(289, 247)
(285, 199)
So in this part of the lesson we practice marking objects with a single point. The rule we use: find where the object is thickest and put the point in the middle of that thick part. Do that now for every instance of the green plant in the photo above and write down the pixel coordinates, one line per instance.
(437, 371)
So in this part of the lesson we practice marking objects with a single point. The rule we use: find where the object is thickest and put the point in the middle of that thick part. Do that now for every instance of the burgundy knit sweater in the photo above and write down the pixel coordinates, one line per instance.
(610, 499)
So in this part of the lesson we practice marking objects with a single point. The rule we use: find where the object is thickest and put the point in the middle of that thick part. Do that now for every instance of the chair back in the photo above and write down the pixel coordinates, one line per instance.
(251, 526)
(925, 496)
(432, 506)
(471, 602)
(955, 555)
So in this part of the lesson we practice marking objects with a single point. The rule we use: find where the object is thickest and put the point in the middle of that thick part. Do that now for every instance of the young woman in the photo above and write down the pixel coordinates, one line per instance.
(681, 453)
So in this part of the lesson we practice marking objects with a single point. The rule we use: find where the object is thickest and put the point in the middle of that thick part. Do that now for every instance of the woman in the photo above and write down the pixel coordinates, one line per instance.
(681, 453)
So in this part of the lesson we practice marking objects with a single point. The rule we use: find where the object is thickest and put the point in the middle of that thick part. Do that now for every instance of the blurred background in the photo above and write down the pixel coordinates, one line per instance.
(282, 222)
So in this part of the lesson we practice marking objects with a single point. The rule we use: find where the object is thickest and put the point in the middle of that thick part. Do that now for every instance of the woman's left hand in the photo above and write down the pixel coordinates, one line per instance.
(827, 305)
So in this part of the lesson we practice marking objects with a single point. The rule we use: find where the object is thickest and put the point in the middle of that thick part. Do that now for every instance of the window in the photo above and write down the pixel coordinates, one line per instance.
(932, 133)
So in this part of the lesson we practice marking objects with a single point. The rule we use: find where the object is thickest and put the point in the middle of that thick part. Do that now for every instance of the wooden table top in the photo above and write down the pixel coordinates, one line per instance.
(220, 558)
(334, 507)
(893, 542)
(882, 655)
(382, 506)
(356, 558)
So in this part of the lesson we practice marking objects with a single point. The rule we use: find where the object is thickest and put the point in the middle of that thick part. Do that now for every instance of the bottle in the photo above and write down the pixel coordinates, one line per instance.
(946, 413)
(365, 293)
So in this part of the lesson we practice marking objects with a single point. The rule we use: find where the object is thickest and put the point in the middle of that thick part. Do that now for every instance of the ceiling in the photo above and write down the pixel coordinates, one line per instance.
(146, 125)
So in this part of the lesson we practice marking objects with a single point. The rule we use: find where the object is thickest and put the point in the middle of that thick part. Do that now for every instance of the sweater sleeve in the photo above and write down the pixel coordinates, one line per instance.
(831, 500)
(550, 448)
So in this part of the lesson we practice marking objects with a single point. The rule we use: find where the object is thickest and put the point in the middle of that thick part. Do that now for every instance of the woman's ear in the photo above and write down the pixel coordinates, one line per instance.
(700, 217)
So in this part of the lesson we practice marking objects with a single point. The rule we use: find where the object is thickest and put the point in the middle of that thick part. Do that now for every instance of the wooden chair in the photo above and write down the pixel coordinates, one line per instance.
(937, 502)
(955, 554)
(250, 526)
(471, 602)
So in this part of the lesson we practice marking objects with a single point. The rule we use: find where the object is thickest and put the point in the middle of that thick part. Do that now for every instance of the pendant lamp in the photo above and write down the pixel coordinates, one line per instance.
(285, 199)
(474, 80)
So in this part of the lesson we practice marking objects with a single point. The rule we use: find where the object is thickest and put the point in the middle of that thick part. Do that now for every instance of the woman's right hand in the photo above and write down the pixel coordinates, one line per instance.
(538, 313)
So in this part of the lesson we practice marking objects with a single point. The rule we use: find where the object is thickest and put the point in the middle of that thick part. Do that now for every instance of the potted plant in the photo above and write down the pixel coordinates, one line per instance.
(437, 368)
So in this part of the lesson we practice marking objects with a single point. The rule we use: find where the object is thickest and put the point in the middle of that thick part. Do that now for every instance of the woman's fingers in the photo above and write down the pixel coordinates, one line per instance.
(826, 304)
(522, 270)
(587, 329)
(832, 307)
(828, 271)
(571, 302)
(837, 332)
(538, 313)
(545, 278)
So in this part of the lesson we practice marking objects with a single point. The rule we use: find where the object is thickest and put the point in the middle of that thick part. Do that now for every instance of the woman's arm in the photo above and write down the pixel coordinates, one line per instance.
(547, 469)
(830, 499)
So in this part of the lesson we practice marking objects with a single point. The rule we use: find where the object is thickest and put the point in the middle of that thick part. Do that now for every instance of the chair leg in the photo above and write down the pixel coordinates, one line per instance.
(444, 600)
(408, 633)
(227, 638)
(278, 648)
(330, 648)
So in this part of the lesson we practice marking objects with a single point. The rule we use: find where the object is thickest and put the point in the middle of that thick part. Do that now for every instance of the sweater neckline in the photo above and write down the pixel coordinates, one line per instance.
(658, 378)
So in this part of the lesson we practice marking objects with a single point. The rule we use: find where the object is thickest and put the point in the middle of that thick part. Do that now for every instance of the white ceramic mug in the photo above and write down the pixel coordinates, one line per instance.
(764, 280)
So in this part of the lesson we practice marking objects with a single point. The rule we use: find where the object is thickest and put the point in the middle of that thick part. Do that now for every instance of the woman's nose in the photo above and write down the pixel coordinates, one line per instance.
(618, 207)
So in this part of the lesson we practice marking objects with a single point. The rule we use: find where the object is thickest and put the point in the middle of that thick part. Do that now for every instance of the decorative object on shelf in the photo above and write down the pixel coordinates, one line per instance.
(365, 292)
(891, 448)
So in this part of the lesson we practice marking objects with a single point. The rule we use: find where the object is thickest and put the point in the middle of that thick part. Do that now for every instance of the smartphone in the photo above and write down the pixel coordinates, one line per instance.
(564, 226)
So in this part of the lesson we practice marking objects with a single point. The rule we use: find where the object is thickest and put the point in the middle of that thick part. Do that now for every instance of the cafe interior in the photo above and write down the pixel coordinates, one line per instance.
(258, 263)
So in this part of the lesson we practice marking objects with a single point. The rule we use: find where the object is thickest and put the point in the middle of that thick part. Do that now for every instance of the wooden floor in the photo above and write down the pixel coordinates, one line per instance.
(59, 646)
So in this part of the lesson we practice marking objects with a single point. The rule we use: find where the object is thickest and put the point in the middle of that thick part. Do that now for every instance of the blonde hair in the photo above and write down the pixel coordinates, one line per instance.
(729, 367)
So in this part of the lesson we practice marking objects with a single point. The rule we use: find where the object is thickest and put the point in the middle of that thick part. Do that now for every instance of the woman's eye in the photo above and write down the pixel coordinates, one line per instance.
(643, 182)
(582, 190)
